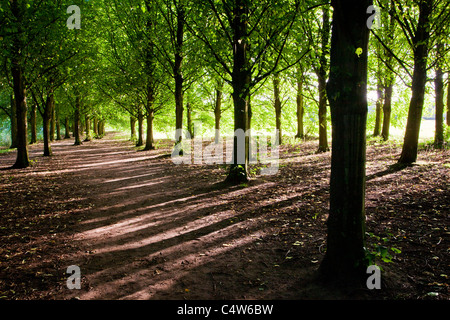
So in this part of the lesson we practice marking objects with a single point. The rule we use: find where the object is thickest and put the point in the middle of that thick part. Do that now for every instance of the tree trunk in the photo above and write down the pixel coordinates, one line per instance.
(379, 107)
(53, 122)
(149, 143)
(448, 99)
(241, 86)
(190, 127)
(387, 107)
(13, 118)
(179, 76)
(33, 124)
(67, 128)
(439, 100)
(20, 91)
(322, 79)
(218, 112)
(277, 105)
(420, 41)
(76, 122)
(133, 128)
(47, 118)
(58, 124)
(140, 140)
(300, 108)
(87, 121)
(347, 91)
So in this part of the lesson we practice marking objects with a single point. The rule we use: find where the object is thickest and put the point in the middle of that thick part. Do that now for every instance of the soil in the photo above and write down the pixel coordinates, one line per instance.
(141, 227)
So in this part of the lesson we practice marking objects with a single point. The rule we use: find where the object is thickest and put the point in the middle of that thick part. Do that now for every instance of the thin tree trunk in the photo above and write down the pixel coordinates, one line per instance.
(439, 101)
(378, 109)
(13, 118)
(218, 112)
(52, 122)
(347, 91)
(58, 124)
(133, 128)
(76, 121)
(387, 107)
(300, 108)
(189, 120)
(149, 143)
(87, 121)
(322, 79)
(448, 99)
(277, 106)
(140, 140)
(33, 124)
(67, 128)
(421, 39)
(47, 117)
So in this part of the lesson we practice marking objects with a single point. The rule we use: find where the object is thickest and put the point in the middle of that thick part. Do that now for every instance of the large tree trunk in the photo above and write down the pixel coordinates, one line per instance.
(277, 105)
(300, 108)
(439, 100)
(33, 124)
(347, 93)
(22, 160)
(421, 39)
(241, 85)
(322, 79)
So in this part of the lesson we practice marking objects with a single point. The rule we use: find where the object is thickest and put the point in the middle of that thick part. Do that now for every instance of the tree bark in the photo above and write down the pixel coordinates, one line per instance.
(46, 117)
(140, 140)
(52, 121)
(241, 86)
(322, 79)
(58, 124)
(67, 128)
(378, 109)
(33, 125)
(347, 92)
(300, 108)
(190, 127)
(76, 121)
(13, 119)
(218, 112)
(149, 142)
(177, 71)
(133, 128)
(439, 100)
(277, 105)
(420, 41)
(448, 99)
(387, 107)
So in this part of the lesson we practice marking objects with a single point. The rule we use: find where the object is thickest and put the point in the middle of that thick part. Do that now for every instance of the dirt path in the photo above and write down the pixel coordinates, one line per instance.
(141, 227)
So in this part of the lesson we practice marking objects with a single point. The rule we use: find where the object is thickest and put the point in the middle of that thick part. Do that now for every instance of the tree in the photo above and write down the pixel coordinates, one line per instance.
(347, 90)
(243, 37)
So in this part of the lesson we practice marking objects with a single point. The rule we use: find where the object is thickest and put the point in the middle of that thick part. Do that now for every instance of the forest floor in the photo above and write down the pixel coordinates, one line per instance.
(141, 227)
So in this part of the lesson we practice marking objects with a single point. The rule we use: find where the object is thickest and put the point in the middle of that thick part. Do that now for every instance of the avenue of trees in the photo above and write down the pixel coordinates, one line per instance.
(339, 71)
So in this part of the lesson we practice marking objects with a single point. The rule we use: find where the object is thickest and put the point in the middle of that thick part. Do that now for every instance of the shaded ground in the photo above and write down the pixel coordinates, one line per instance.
(141, 227)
